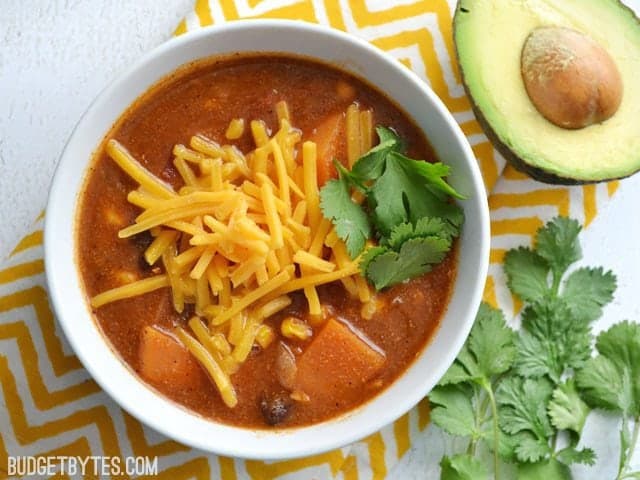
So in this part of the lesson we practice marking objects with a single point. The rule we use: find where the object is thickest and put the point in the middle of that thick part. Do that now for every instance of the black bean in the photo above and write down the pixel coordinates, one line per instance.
(142, 240)
(188, 312)
(275, 407)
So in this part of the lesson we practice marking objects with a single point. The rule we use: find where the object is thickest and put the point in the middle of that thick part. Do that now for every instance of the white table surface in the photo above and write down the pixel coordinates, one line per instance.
(56, 55)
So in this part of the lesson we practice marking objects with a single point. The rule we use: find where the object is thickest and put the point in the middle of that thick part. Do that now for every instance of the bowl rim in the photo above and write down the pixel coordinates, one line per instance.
(125, 400)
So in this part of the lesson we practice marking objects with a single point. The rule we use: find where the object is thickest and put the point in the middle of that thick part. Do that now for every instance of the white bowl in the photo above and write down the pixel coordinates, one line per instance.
(348, 53)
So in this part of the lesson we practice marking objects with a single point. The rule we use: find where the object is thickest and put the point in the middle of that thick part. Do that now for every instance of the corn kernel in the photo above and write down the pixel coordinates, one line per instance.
(299, 396)
(235, 129)
(368, 310)
(265, 335)
(293, 327)
(126, 277)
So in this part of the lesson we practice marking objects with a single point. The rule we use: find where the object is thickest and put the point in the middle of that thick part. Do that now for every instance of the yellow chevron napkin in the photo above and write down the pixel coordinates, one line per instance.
(50, 406)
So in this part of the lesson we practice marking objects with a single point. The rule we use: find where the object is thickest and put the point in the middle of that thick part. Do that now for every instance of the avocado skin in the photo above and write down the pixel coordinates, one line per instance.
(511, 157)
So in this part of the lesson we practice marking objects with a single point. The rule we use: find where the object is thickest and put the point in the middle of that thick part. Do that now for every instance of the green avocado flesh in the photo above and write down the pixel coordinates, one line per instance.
(489, 36)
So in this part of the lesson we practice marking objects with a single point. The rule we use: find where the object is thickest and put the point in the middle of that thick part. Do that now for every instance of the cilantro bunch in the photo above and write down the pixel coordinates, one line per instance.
(524, 396)
(407, 210)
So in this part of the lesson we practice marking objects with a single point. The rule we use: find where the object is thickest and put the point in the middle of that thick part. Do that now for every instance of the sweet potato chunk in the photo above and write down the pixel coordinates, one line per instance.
(165, 361)
(336, 364)
(328, 137)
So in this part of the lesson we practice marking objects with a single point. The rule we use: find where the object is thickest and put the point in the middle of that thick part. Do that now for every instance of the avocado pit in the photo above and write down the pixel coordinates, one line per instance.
(571, 80)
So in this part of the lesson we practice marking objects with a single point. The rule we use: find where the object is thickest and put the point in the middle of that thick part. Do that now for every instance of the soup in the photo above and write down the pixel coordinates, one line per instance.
(209, 264)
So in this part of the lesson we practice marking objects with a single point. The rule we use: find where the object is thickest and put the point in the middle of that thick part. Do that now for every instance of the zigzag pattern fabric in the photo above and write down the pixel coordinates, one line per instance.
(50, 406)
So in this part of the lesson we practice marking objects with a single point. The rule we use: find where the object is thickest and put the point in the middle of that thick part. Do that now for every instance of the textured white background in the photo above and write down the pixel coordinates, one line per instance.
(55, 56)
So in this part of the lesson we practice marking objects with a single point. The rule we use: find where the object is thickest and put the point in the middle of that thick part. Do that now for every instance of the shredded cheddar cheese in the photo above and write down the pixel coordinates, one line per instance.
(243, 232)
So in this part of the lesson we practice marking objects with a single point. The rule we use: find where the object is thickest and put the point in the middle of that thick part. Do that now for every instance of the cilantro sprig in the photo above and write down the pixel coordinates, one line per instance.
(469, 386)
(611, 381)
(524, 396)
(407, 210)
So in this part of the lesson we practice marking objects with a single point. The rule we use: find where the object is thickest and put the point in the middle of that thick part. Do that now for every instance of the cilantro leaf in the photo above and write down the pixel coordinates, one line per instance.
(401, 195)
(401, 233)
(612, 379)
(429, 226)
(552, 341)
(529, 448)
(452, 410)
(388, 197)
(432, 173)
(567, 411)
(368, 256)
(409, 251)
(462, 467)
(456, 374)
(506, 443)
(571, 455)
(587, 290)
(523, 405)
(557, 242)
(547, 470)
(415, 257)
(621, 344)
(545, 318)
(492, 342)
(425, 227)
(350, 220)
(527, 274)
(602, 385)
(534, 358)
(468, 361)
(489, 351)
(371, 165)
(523, 412)
(343, 172)
(386, 134)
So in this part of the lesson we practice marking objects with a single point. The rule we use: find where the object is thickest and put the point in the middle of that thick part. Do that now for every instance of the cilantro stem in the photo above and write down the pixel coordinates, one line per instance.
(496, 429)
(471, 447)
(555, 288)
(473, 444)
(554, 443)
(632, 446)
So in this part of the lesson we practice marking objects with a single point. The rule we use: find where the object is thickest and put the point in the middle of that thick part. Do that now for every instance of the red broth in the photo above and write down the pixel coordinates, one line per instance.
(203, 98)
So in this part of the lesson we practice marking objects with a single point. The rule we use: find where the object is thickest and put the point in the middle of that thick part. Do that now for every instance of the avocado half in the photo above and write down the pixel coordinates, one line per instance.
(489, 36)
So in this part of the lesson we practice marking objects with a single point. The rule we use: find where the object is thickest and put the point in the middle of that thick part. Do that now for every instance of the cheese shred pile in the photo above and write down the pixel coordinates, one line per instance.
(241, 234)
